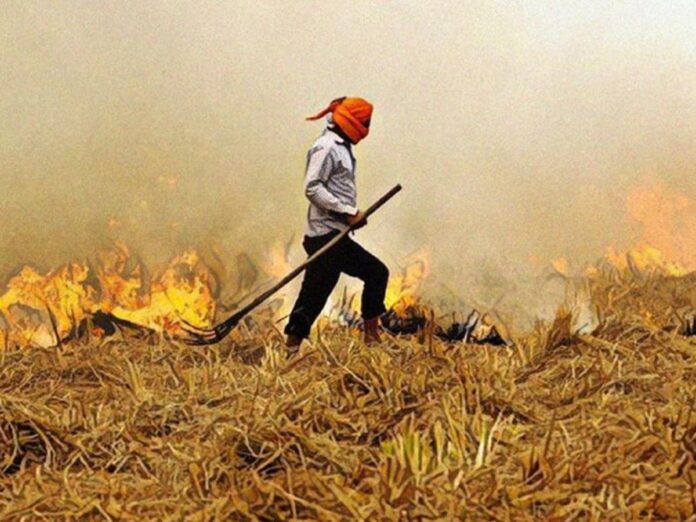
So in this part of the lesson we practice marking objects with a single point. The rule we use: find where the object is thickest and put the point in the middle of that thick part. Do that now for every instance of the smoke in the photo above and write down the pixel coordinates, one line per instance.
(516, 128)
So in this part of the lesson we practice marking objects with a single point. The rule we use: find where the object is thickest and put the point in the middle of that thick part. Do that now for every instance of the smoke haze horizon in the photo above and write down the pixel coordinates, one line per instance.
(517, 129)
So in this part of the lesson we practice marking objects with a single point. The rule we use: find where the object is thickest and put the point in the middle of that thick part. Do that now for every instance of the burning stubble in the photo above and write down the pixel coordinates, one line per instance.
(521, 132)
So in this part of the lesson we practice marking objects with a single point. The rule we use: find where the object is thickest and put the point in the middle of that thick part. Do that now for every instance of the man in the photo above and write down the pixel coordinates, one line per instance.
(330, 187)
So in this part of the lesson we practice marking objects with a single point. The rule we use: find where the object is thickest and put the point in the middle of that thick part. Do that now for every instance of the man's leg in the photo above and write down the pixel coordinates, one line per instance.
(319, 280)
(358, 262)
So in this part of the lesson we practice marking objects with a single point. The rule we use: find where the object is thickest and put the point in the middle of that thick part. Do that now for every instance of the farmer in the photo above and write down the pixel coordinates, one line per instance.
(329, 185)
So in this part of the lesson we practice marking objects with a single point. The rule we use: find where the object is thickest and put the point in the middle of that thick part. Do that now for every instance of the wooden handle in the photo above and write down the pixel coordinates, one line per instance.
(381, 201)
(294, 273)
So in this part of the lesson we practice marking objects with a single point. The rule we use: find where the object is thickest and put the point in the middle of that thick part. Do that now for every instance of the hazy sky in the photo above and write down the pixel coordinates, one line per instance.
(516, 128)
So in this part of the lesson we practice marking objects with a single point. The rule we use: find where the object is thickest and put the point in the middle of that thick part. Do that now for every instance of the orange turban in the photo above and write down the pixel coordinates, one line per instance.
(352, 115)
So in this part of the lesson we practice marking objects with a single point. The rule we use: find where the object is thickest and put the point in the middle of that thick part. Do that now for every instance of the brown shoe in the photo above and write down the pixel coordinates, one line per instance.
(372, 331)
(292, 344)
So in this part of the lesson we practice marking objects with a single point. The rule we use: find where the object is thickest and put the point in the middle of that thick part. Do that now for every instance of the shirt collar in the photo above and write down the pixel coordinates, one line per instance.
(340, 140)
(337, 137)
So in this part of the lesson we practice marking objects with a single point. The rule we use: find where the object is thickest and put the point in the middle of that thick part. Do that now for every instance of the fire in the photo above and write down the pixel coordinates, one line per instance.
(666, 220)
(276, 262)
(44, 309)
(41, 309)
(561, 265)
(403, 288)
(644, 258)
(121, 286)
(181, 292)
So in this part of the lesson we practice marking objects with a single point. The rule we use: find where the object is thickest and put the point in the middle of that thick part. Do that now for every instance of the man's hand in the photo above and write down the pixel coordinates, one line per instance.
(359, 219)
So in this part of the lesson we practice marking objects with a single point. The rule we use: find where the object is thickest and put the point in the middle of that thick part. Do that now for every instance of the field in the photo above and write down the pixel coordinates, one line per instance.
(557, 425)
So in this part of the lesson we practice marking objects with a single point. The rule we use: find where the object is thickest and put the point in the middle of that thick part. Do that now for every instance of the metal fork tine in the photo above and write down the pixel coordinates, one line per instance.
(195, 330)
(198, 340)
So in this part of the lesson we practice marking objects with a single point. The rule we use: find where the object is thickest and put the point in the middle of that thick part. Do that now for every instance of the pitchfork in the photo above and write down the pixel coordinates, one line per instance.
(203, 336)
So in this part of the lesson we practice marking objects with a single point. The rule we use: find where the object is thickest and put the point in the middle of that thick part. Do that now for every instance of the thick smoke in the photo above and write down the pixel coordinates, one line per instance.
(516, 128)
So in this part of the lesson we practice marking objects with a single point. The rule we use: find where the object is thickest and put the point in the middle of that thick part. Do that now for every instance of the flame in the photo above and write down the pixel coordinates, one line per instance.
(666, 219)
(276, 263)
(644, 258)
(561, 265)
(402, 292)
(40, 310)
(44, 309)
(402, 289)
(181, 292)
(120, 286)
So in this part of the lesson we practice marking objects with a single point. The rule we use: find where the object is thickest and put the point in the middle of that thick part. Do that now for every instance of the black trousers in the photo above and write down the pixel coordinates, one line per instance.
(321, 277)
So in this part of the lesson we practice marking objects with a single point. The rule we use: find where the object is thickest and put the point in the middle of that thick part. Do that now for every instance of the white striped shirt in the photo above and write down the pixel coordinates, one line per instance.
(329, 184)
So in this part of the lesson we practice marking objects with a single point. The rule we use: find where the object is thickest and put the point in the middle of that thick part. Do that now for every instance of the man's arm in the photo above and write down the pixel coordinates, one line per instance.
(319, 166)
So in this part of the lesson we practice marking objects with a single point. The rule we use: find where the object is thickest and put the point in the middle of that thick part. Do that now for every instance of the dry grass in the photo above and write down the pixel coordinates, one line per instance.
(557, 426)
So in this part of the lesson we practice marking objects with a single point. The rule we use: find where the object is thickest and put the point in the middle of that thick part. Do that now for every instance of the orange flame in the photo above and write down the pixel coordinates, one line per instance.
(561, 265)
(666, 219)
(644, 258)
(42, 310)
(181, 292)
(403, 288)
(276, 262)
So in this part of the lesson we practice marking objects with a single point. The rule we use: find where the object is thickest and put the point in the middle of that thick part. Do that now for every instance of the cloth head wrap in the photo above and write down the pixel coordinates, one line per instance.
(352, 115)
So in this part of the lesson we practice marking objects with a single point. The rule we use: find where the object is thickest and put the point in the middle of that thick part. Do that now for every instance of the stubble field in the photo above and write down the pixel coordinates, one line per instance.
(557, 425)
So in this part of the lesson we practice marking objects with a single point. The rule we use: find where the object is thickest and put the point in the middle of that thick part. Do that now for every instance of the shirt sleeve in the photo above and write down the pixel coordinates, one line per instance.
(319, 166)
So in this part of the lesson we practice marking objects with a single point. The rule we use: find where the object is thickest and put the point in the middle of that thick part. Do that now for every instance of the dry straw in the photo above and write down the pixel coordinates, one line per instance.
(559, 425)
